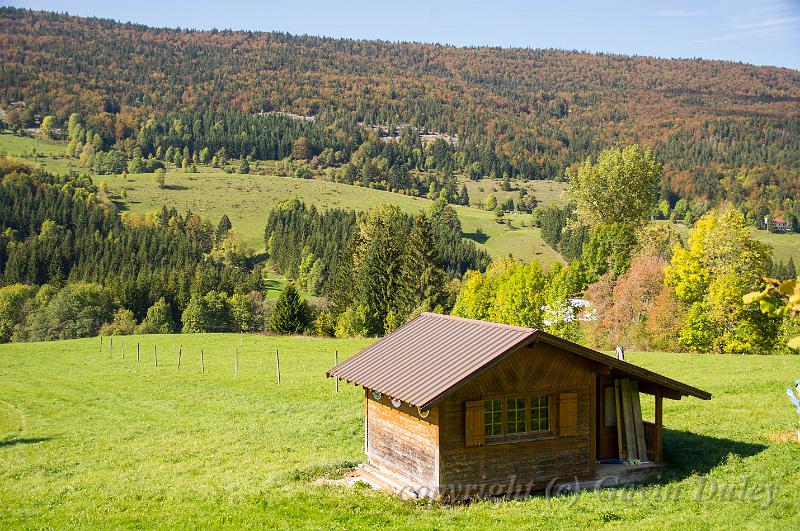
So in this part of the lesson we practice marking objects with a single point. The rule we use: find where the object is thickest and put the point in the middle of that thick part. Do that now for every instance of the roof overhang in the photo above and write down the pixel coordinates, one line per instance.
(650, 382)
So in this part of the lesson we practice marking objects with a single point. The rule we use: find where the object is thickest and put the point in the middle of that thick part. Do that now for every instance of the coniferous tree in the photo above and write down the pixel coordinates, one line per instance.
(223, 227)
(421, 285)
(291, 313)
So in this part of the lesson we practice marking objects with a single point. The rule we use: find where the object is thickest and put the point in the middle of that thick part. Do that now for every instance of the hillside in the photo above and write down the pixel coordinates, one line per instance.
(247, 199)
(102, 441)
(518, 111)
(208, 194)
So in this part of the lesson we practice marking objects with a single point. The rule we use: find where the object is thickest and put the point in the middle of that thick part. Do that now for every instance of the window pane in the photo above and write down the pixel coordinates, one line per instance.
(492, 417)
(515, 415)
(540, 413)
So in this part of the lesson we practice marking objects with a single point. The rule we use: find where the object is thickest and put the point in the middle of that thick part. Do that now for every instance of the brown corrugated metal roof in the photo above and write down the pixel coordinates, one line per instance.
(433, 354)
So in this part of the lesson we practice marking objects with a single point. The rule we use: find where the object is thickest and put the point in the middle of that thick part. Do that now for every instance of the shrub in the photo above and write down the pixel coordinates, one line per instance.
(355, 321)
(123, 324)
(78, 310)
(159, 177)
(13, 301)
(210, 313)
(158, 319)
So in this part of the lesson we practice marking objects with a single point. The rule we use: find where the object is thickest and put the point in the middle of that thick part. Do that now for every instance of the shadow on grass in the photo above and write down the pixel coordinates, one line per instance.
(256, 259)
(119, 205)
(477, 237)
(274, 285)
(686, 453)
(176, 187)
(24, 440)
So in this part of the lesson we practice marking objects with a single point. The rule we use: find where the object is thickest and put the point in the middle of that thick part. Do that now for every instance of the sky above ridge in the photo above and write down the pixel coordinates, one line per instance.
(760, 32)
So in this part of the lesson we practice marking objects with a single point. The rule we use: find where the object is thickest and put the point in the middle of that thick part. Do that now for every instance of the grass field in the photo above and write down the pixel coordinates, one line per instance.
(90, 440)
(547, 192)
(247, 200)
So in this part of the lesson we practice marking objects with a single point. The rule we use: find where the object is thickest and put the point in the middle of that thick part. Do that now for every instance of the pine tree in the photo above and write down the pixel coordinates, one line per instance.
(291, 313)
(463, 197)
(421, 283)
(223, 227)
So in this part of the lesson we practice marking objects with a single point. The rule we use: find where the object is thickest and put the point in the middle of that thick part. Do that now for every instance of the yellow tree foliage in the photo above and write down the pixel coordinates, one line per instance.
(622, 187)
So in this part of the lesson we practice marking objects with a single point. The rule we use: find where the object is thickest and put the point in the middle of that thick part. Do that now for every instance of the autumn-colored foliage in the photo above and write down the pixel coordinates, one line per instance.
(526, 112)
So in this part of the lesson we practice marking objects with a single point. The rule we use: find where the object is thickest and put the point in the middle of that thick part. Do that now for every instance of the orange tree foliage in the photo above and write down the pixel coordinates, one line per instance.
(625, 305)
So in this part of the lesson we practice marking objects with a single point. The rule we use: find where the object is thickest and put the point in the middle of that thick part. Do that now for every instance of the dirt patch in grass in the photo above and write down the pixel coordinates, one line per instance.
(785, 436)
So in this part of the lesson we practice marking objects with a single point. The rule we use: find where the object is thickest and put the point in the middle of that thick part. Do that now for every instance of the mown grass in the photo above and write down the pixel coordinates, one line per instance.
(90, 440)
(546, 192)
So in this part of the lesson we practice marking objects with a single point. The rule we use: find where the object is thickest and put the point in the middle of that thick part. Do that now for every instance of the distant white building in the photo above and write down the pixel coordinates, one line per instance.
(569, 310)
(776, 224)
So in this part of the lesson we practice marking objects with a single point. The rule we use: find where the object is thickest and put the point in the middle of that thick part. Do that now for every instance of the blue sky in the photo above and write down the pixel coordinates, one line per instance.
(760, 32)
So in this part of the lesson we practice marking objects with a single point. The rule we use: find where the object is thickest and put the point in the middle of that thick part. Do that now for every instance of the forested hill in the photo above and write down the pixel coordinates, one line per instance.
(529, 113)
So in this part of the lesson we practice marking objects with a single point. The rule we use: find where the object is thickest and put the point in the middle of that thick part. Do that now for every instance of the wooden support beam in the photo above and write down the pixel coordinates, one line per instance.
(658, 451)
(618, 406)
(627, 419)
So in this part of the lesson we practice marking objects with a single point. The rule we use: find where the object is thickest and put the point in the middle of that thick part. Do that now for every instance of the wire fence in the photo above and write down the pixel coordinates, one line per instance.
(179, 353)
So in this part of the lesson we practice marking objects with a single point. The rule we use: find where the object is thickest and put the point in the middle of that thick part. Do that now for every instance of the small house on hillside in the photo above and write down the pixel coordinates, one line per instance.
(776, 224)
(458, 407)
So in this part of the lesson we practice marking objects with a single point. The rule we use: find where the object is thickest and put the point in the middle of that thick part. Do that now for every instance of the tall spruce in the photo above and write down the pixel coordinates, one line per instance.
(378, 261)
(422, 281)
(291, 313)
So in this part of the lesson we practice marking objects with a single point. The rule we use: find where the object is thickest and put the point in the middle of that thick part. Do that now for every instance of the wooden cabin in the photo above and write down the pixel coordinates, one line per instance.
(458, 407)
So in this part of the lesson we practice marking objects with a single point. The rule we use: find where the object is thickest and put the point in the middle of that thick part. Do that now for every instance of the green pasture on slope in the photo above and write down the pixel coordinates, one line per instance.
(91, 440)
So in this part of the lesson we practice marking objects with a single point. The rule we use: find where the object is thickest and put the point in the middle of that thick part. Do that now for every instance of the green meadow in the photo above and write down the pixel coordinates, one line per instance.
(247, 199)
(91, 440)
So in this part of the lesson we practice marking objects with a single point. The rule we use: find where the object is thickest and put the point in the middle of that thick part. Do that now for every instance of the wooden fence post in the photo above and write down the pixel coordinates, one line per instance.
(336, 362)
(278, 364)
(236, 363)
(137, 351)
(111, 348)
(180, 351)
(155, 355)
(101, 344)
(202, 362)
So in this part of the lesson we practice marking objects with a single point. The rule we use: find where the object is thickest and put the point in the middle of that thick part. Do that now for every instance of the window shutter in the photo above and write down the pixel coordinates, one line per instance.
(567, 414)
(473, 423)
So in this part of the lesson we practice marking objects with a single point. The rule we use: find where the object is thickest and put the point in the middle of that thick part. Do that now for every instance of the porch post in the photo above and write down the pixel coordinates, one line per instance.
(659, 438)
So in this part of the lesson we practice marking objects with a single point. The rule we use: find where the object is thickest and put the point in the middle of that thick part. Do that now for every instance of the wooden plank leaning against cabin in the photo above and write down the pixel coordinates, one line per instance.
(623, 452)
(627, 420)
(641, 445)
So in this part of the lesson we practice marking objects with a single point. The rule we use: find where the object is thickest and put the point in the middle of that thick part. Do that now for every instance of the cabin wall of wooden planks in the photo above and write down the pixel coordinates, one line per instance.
(401, 442)
(535, 370)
